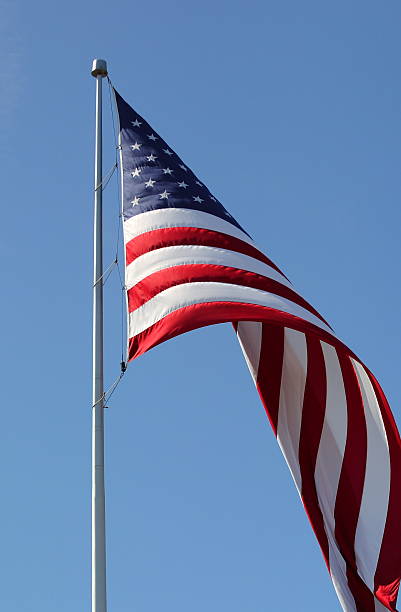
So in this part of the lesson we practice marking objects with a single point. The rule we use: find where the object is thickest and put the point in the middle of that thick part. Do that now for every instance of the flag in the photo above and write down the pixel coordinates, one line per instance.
(189, 263)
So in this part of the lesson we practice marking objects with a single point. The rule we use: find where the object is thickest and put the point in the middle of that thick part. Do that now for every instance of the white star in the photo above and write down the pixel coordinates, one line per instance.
(150, 183)
(136, 172)
(135, 201)
(136, 146)
(183, 167)
(136, 123)
(227, 213)
(164, 195)
(167, 171)
(182, 184)
(212, 198)
(152, 137)
(197, 199)
(198, 183)
(168, 152)
(151, 157)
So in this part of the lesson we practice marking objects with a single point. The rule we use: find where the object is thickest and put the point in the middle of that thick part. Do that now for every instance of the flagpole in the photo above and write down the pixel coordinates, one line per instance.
(99, 71)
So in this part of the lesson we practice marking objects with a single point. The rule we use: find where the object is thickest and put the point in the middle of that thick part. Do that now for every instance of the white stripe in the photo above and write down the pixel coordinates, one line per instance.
(187, 294)
(338, 572)
(292, 390)
(376, 489)
(333, 439)
(249, 335)
(379, 606)
(181, 255)
(179, 217)
(328, 467)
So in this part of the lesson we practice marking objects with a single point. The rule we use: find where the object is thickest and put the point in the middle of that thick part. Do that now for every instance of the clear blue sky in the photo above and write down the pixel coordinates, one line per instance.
(290, 112)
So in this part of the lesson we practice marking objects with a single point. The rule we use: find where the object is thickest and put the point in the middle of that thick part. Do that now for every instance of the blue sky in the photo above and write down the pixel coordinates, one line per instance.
(289, 112)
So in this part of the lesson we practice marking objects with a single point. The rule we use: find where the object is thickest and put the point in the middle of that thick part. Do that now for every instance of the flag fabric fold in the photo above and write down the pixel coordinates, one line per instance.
(189, 264)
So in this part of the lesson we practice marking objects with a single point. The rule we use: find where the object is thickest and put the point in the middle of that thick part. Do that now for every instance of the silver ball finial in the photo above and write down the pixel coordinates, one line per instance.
(99, 68)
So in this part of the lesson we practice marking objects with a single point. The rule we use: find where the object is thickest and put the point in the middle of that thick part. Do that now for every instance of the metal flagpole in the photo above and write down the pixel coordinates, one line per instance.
(99, 71)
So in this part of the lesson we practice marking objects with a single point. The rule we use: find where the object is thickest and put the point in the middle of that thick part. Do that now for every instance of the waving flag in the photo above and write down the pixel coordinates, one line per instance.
(189, 264)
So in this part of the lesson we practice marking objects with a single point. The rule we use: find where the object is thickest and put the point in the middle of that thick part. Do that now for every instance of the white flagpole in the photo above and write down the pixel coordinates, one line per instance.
(99, 71)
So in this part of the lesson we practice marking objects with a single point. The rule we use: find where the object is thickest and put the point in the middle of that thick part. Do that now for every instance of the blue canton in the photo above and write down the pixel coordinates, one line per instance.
(153, 174)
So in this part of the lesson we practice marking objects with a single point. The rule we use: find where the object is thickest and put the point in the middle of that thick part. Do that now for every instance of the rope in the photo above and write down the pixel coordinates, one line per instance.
(105, 181)
(107, 394)
(109, 269)
(113, 387)
(112, 116)
(124, 343)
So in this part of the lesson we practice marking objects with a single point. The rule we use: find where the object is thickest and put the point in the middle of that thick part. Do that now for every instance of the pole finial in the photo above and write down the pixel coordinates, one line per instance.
(99, 68)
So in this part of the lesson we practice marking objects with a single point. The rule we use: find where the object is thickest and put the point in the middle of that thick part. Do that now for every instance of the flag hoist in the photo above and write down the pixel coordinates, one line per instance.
(99, 71)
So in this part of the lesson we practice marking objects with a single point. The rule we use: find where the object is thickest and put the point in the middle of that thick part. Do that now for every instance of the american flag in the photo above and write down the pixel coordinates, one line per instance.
(188, 264)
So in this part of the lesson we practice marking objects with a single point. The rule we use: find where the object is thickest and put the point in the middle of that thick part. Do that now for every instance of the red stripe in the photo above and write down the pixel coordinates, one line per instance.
(313, 411)
(388, 572)
(208, 313)
(177, 275)
(350, 486)
(270, 367)
(176, 236)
